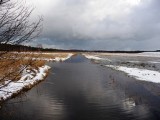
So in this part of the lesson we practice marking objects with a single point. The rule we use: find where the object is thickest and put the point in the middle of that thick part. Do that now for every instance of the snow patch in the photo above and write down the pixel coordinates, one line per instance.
(134, 61)
(92, 57)
(140, 74)
(63, 58)
(56, 59)
(28, 79)
(154, 62)
(150, 54)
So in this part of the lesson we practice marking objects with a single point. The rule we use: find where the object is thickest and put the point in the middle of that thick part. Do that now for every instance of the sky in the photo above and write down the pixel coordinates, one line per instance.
(99, 24)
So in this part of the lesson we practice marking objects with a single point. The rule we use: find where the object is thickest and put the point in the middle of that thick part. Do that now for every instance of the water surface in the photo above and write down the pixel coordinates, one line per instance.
(79, 89)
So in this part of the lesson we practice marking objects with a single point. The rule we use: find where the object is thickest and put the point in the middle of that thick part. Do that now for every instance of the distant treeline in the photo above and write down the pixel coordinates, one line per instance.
(17, 48)
(22, 48)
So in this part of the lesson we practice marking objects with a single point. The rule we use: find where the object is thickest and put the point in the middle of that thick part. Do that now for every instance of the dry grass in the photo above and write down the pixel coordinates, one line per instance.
(12, 64)
(34, 55)
(12, 69)
(50, 55)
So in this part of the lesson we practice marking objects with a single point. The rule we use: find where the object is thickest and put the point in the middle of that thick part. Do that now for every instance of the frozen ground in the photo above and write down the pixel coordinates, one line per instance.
(95, 57)
(150, 54)
(143, 54)
(142, 66)
(140, 74)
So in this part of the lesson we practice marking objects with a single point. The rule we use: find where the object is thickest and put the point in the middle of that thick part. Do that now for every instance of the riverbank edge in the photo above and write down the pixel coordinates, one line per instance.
(39, 77)
(7, 91)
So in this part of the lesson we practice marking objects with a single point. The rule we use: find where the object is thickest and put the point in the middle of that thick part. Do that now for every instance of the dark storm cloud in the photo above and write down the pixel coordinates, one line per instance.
(100, 24)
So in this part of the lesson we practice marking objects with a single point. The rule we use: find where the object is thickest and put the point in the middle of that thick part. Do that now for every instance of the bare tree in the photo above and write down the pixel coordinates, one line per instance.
(15, 25)
(16, 28)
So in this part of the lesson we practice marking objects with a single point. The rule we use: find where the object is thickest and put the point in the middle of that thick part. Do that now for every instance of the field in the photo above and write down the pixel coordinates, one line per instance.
(142, 66)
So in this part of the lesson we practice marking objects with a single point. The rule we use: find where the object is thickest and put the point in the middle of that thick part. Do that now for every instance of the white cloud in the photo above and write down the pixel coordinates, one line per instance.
(107, 20)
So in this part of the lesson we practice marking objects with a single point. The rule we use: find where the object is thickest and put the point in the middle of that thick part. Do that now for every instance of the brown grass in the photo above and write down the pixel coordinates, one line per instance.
(39, 55)
(12, 69)
(11, 64)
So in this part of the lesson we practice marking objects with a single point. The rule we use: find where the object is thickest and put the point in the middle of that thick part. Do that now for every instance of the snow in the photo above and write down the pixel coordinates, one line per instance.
(63, 58)
(28, 79)
(56, 59)
(134, 61)
(150, 54)
(143, 54)
(153, 62)
(139, 74)
(93, 57)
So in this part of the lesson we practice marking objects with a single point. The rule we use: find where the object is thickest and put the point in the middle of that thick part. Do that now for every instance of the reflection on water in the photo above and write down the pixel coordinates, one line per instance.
(80, 90)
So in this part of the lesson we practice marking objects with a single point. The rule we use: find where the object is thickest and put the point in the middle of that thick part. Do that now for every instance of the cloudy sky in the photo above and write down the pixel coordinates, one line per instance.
(99, 24)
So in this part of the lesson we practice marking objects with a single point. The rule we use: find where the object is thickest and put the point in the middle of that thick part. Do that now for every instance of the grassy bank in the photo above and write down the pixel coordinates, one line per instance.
(21, 71)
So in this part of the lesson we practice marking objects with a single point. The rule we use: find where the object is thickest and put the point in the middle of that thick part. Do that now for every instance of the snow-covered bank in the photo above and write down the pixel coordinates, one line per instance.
(63, 58)
(140, 74)
(93, 57)
(56, 59)
(28, 79)
(30, 76)
(154, 62)
(150, 54)
(143, 54)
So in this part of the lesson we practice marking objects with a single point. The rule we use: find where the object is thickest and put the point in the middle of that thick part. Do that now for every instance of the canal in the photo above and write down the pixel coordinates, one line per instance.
(79, 89)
